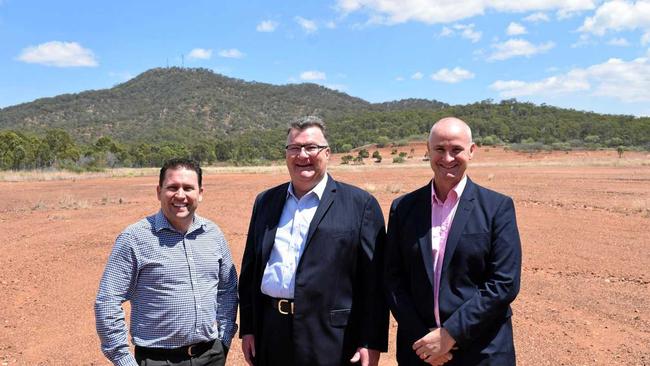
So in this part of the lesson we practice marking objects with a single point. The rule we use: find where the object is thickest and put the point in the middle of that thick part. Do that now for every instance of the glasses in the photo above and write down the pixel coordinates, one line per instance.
(310, 149)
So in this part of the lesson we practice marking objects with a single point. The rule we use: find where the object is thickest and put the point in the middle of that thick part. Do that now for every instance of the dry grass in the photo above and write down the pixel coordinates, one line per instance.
(68, 201)
(511, 161)
(51, 175)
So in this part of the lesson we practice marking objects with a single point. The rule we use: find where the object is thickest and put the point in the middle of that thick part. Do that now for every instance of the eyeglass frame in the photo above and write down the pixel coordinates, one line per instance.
(299, 148)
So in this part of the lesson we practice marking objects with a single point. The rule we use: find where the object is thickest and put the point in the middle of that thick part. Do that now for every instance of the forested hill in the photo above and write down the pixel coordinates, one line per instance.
(169, 112)
(180, 104)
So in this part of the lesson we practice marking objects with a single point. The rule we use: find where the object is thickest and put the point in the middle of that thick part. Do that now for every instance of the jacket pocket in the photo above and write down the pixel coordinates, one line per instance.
(339, 318)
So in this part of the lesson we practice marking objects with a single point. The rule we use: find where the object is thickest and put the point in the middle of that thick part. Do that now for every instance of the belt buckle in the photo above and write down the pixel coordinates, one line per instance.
(285, 301)
(189, 351)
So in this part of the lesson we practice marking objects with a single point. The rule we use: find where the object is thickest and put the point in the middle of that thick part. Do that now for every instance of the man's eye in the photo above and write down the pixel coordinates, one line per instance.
(311, 148)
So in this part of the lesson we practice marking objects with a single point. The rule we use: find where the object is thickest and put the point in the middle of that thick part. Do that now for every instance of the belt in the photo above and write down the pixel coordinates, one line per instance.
(186, 351)
(284, 306)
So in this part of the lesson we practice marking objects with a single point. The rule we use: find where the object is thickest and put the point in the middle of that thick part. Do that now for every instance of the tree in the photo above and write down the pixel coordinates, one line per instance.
(346, 159)
(377, 156)
(363, 153)
(620, 151)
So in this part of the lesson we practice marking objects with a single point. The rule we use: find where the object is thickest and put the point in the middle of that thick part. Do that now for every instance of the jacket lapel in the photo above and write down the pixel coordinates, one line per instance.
(465, 207)
(423, 229)
(273, 218)
(326, 201)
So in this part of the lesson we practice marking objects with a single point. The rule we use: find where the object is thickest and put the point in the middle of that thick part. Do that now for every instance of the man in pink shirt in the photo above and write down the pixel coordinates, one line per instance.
(453, 262)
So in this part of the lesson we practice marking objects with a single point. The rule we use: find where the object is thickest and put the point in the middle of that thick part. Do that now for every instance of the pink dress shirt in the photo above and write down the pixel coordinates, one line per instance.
(442, 216)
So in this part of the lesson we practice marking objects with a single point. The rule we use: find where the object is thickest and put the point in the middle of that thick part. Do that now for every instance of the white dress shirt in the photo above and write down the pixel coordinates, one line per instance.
(279, 277)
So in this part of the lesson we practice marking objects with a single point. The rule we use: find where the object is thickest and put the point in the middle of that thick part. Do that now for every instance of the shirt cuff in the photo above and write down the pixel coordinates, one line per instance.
(127, 360)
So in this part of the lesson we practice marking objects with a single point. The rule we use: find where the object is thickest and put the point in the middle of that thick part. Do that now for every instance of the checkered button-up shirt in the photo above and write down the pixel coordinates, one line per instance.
(182, 288)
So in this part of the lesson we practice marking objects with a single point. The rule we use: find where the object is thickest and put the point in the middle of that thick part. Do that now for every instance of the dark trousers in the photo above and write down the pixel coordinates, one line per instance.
(276, 346)
(215, 356)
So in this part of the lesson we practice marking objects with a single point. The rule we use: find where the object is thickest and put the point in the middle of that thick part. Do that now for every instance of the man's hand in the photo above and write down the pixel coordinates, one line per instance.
(367, 357)
(434, 344)
(248, 348)
(440, 360)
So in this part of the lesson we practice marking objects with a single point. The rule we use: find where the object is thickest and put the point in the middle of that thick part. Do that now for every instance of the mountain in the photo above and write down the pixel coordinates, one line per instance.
(181, 104)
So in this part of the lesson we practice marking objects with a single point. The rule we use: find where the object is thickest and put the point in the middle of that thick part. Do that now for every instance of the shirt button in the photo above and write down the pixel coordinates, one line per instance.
(198, 330)
(198, 306)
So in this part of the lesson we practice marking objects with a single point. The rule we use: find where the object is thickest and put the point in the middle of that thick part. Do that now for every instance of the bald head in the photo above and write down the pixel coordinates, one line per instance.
(450, 150)
(451, 126)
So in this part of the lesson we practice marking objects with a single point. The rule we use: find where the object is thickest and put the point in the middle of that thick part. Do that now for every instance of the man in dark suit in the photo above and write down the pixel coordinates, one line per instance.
(453, 262)
(310, 286)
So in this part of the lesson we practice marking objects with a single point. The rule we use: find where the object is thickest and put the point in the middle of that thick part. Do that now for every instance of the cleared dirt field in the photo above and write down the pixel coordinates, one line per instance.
(583, 218)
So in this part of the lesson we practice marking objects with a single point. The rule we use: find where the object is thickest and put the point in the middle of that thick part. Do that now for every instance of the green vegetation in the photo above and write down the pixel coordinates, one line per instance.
(196, 113)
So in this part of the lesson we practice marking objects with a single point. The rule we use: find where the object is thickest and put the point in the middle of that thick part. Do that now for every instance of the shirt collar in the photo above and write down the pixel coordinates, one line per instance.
(455, 192)
(161, 223)
(318, 190)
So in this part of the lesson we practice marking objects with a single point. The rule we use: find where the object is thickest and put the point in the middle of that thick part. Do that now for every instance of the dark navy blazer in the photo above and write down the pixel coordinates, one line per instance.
(480, 275)
(339, 299)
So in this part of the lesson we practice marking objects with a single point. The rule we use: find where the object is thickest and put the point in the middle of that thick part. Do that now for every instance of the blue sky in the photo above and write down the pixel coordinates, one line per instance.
(582, 54)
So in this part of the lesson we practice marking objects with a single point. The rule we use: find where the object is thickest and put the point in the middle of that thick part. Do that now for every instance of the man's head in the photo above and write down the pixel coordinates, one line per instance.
(450, 150)
(180, 191)
(307, 153)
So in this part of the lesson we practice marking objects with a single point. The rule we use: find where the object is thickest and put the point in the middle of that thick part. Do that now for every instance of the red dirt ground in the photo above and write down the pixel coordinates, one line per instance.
(583, 218)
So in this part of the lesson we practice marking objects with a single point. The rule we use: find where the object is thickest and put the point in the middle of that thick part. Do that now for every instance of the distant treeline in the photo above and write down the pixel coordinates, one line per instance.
(522, 126)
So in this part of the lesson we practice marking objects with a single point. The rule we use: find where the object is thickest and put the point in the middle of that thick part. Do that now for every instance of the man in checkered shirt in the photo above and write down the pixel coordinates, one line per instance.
(176, 269)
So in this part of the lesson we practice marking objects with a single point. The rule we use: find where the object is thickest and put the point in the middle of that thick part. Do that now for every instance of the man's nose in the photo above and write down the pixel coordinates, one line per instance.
(447, 156)
(303, 152)
(180, 193)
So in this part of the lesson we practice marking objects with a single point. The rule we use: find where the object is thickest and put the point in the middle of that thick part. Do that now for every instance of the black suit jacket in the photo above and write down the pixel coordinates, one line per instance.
(480, 275)
(339, 299)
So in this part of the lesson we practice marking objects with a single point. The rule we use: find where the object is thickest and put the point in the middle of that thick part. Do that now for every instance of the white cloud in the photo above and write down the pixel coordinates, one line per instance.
(619, 42)
(446, 32)
(399, 78)
(266, 26)
(307, 25)
(447, 11)
(517, 47)
(627, 81)
(466, 31)
(330, 25)
(312, 75)
(454, 75)
(617, 16)
(231, 53)
(200, 54)
(645, 39)
(583, 40)
(537, 17)
(417, 76)
(515, 29)
(59, 54)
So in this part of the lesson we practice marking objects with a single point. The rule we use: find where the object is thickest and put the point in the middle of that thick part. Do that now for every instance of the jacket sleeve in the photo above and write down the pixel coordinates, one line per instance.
(374, 329)
(396, 276)
(501, 286)
(247, 278)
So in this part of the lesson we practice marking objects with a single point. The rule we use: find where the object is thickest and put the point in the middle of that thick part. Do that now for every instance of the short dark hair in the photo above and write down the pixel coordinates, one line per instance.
(176, 163)
(306, 122)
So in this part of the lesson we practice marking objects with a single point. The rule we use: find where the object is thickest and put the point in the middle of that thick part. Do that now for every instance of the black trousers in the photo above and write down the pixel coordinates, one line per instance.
(276, 346)
(215, 356)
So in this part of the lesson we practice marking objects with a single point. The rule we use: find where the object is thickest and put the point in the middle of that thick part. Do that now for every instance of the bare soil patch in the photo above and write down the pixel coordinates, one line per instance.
(583, 218)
